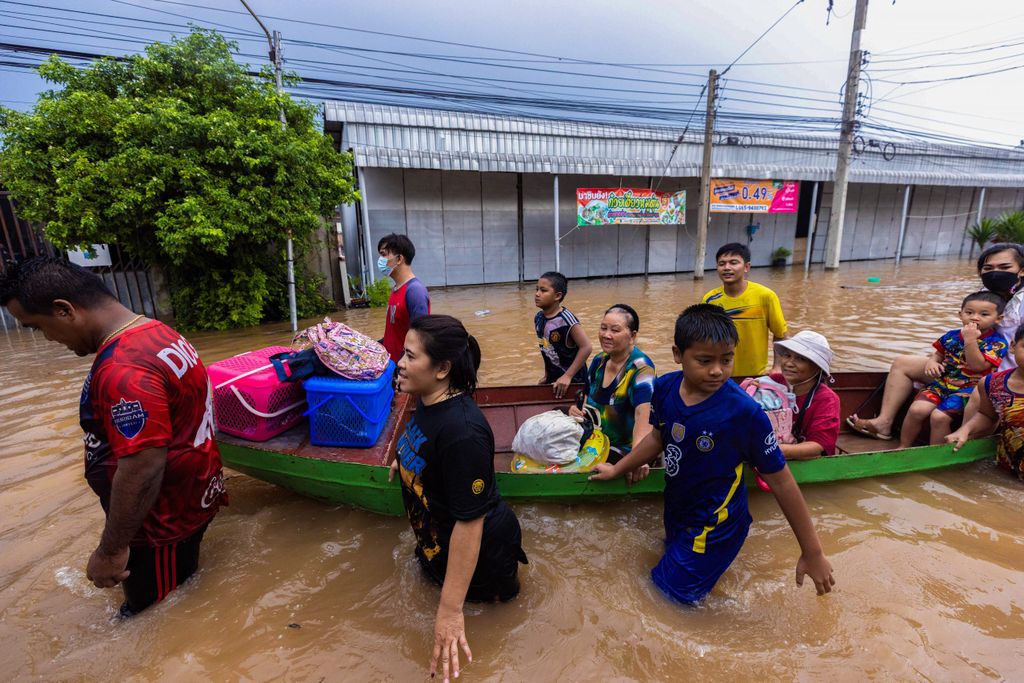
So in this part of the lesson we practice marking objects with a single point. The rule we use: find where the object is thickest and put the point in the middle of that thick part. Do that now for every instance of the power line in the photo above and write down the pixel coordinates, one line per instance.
(949, 65)
(758, 39)
(481, 99)
(328, 46)
(955, 78)
(1003, 21)
(404, 36)
(967, 50)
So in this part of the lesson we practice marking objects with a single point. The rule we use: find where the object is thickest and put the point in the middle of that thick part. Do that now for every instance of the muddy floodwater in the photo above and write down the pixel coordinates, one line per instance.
(930, 567)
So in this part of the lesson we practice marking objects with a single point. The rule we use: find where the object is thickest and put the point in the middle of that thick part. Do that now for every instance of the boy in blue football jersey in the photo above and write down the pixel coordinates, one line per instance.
(708, 428)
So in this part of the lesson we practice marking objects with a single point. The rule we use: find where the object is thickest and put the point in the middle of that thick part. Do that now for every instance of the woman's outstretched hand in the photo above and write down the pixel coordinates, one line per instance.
(449, 636)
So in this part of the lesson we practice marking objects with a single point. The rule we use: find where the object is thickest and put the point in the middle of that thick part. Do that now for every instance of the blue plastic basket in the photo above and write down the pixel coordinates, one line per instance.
(345, 412)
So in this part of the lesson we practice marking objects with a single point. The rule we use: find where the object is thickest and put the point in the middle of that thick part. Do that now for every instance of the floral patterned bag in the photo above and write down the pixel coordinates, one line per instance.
(346, 351)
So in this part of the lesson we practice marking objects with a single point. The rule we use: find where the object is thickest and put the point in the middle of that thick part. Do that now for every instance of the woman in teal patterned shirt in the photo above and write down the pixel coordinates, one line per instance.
(621, 381)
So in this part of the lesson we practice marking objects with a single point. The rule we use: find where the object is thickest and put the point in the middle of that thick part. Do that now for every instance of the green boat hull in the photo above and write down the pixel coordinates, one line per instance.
(367, 487)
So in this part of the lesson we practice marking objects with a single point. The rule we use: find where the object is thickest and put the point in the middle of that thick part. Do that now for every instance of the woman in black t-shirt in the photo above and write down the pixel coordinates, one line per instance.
(467, 539)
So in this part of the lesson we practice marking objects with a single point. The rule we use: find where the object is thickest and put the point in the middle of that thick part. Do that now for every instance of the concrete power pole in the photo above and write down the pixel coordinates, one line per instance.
(835, 222)
(276, 57)
(704, 207)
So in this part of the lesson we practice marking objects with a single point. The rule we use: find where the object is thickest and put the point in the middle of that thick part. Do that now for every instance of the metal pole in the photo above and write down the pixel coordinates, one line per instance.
(371, 271)
(276, 57)
(834, 243)
(647, 239)
(903, 224)
(981, 204)
(292, 307)
(339, 232)
(811, 227)
(558, 232)
(704, 206)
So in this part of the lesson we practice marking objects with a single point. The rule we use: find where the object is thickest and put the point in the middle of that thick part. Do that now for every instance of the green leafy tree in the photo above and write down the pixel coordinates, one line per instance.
(178, 156)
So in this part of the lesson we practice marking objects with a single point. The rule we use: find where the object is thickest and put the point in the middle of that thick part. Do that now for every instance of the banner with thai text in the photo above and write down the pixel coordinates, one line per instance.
(754, 196)
(629, 205)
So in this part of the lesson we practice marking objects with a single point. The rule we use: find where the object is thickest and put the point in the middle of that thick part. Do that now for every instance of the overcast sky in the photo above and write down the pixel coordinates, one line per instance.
(911, 40)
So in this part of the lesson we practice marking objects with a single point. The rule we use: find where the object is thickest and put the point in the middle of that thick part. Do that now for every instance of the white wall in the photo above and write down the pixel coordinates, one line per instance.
(465, 225)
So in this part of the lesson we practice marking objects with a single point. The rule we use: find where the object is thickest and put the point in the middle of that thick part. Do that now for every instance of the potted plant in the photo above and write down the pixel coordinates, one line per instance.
(780, 256)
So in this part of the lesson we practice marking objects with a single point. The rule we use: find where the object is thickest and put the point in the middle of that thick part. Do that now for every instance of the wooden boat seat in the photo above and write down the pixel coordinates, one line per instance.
(852, 442)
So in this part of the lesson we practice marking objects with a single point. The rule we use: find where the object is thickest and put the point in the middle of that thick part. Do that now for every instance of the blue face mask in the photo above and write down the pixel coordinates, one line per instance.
(383, 267)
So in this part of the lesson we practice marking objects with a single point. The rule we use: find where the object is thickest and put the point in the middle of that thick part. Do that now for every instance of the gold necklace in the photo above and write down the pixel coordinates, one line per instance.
(121, 329)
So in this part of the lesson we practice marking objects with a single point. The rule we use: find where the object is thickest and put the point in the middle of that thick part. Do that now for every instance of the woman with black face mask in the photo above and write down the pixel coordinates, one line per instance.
(1001, 269)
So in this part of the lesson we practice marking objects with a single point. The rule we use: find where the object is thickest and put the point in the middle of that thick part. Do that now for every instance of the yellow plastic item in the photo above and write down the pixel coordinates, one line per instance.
(594, 452)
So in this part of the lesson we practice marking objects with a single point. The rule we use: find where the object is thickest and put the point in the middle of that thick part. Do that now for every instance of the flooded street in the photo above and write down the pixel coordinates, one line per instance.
(929, 567)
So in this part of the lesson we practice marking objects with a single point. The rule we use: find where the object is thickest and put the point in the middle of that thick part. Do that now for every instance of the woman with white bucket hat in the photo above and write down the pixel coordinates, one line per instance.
(804, 360)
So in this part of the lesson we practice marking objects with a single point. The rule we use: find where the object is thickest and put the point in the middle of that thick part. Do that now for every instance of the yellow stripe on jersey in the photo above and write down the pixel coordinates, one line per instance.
(700, 542)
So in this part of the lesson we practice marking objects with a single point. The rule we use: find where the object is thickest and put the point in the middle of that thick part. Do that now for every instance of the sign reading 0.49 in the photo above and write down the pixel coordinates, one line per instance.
(754, 196)
(629, 206)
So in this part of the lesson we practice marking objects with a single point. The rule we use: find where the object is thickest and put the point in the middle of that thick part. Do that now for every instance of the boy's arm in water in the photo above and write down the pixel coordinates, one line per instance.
(812, 560)
(642, 453)
(982, 423)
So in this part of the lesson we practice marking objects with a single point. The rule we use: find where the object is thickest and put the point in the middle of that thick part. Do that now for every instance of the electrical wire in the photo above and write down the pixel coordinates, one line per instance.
(758, 39)
(955, 78)
(774, 114)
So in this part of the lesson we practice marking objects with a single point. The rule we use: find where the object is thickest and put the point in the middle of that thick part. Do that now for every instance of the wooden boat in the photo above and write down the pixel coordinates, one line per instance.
(359, 476)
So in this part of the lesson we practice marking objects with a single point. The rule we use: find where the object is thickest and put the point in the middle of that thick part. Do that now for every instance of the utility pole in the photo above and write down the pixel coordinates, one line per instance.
(276, 57)
(704, 206)
(835, 222)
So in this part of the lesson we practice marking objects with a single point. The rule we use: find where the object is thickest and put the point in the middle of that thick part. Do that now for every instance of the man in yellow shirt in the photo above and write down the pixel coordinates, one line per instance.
(753, 308)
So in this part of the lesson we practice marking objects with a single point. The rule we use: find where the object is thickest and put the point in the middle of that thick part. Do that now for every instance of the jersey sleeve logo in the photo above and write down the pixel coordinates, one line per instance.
(678, 432)
(128, 417)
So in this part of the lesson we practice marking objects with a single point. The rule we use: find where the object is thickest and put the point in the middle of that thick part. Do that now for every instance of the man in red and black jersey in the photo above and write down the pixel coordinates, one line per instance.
(147, 413)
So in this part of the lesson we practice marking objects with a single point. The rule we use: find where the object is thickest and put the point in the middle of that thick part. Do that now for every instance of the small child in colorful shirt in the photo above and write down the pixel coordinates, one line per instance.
(1001, 402)
(563, 343)
(961, 358)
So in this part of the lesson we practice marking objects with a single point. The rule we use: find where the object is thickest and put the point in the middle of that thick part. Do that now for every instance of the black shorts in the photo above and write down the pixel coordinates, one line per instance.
(155, 572)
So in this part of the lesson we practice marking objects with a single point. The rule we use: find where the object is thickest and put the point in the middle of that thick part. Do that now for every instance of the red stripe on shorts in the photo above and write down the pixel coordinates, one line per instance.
(159, 582)
(174, 566)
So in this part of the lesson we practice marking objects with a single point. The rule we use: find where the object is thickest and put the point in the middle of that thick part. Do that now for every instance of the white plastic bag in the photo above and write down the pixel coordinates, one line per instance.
(551, 438)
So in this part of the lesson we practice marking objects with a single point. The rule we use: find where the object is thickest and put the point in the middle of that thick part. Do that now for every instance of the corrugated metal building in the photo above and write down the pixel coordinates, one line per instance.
(475, 193)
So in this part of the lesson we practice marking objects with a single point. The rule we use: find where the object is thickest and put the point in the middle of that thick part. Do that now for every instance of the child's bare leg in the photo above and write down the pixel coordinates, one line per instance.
(941, 425)
(917, 414)
(905, 370)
